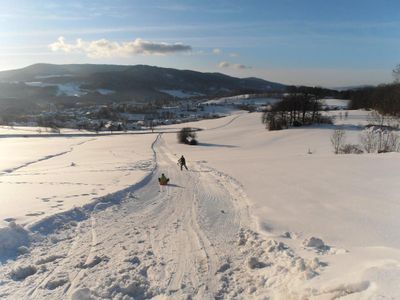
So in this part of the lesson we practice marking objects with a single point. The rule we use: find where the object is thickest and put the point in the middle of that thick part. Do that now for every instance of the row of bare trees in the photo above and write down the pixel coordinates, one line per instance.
(372, 140)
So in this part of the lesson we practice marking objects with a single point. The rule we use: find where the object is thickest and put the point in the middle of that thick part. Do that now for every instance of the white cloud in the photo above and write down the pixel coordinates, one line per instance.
(217, 51)
(224, 64)
(106, 48)
(241, 67)
(233, 54)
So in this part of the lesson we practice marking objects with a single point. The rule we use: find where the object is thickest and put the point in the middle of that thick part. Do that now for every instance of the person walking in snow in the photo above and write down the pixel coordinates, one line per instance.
(163, 180)
(182, 162)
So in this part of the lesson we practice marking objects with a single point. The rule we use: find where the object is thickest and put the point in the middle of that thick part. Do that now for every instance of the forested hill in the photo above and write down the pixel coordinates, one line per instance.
(99, 83)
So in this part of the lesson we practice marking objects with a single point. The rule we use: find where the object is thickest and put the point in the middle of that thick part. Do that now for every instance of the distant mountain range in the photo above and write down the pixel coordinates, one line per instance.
(91, 83)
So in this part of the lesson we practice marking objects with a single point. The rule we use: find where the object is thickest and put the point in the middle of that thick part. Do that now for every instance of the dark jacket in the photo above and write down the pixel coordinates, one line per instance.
(182, 161)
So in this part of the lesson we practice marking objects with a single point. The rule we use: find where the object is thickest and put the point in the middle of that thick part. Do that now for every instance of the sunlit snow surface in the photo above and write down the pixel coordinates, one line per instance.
(67, 89)
(105, 91)
(328, 223)
(43, 176)
(63, 89)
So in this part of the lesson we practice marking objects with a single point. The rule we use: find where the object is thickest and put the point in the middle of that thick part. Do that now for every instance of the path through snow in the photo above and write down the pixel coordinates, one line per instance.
(192, 239)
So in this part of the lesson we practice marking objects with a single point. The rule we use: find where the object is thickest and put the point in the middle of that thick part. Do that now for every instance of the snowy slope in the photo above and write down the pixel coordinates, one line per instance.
(181, 94)
(243, 99)
(255, 217)
(350, 201)
(43, 176)
(192, 239)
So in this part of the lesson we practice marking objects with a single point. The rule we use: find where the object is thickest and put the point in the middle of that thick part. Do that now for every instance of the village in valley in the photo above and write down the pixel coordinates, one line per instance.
(137, 116)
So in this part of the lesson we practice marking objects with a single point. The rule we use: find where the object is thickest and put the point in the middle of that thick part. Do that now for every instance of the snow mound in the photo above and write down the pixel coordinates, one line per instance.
(128, 287)
(57, 281)
(21, 272)
(48, 259)
(12, 238)
(343, 290)
(82, 294)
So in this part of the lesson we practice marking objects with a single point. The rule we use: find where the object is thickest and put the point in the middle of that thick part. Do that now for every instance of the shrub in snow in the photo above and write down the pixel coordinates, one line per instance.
(351, 149)
(381, 140)
(337, 140)
(378, 119)
(12, 238)
(368, 140)
(389, 141)
(187, 136)
(274, 121)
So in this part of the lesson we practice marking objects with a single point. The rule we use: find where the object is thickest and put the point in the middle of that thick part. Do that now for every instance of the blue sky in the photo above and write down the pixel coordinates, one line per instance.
(329, 43)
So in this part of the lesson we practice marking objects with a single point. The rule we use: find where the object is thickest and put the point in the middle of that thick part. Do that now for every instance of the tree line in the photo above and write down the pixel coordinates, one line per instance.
(301, 106)
(384, 98)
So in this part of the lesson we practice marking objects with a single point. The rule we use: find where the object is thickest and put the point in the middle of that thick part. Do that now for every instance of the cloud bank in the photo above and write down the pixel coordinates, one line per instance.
(105, 48)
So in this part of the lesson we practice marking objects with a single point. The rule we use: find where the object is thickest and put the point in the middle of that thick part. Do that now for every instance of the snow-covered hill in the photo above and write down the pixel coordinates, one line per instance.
(259, 215)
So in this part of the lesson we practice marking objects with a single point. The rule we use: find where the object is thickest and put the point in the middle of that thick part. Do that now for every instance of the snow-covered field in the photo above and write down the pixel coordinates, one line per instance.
(43, 176)
(30, 130)
(181, 94)
(335, 103)
(243, 99)
(259, 215)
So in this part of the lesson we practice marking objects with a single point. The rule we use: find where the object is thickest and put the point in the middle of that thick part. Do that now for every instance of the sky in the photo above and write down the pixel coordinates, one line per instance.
(312, 42)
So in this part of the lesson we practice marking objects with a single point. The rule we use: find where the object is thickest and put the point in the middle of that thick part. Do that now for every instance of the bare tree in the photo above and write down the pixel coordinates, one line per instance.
(396, 73)
(369, 140)
(151, 125)
(377, 119)
(337, 140)
(380, 140)
(389, 141)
